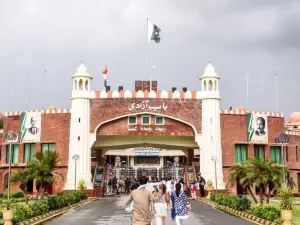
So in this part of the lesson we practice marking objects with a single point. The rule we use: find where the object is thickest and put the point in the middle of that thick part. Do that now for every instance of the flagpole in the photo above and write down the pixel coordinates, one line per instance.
(27, 91)
(262, 88)
(13, 91)
(277, 101)
(43, 89)
(247, 90)
(147, 23)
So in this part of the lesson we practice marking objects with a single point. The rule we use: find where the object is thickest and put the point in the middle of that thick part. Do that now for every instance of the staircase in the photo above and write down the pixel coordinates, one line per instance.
(98, 180)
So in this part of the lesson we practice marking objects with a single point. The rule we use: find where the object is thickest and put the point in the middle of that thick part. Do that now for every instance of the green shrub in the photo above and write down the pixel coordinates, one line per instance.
(14, 194)
(213, 197)
(82, 186)
(270, 213)
(286, 198)
(235, 202)
(74, 197)
(60, 194)
(53, 203)
(22, 213)
(39, 207)
(83, 195)
(62, 201)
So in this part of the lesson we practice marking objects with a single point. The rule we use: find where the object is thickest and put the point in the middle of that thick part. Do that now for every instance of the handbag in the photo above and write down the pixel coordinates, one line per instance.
(161, 209)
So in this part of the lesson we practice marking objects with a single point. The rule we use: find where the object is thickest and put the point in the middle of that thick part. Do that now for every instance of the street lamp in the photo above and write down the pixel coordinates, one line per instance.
(10, 137)
(75, 158)
(214, 159)
(282, 138)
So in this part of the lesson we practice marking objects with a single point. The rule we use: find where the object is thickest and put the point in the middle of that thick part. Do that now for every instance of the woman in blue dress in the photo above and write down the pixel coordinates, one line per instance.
(180, 205)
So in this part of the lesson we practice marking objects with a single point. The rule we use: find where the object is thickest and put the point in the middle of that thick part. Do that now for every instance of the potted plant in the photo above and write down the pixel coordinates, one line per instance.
(209, 188)
(8, 214)
(286, 204)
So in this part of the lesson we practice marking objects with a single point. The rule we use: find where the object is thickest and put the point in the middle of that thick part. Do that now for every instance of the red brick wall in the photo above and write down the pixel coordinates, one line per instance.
(234, 130)
(120, 127)
(55, 129)
(106, 109)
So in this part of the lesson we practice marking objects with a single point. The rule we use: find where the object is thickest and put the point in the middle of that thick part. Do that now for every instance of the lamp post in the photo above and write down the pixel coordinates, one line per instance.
(75, 158)
(282, 138)
(214, 159)
(10, 137)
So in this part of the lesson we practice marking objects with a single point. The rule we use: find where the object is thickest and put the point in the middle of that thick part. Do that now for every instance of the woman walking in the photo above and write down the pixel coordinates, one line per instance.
(161, 200)
(180, 205)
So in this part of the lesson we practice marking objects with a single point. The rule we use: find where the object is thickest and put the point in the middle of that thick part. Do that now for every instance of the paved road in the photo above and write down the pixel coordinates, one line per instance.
(111, 211)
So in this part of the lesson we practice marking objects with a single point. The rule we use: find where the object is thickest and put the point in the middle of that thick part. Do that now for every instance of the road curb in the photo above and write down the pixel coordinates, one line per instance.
(39, 219)
(237, 213)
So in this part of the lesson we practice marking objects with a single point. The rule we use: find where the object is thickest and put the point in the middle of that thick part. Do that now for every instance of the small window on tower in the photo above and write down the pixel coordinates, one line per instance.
(78, 138)
(132, 120)
(80, 85)
(86, 85)
(204, 85)
(216, 86)
(159, 120)
(210, 84)
(78, 120)
(146, 120)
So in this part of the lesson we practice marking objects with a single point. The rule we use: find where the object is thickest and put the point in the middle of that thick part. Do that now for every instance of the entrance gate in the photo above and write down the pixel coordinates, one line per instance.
(175, 173)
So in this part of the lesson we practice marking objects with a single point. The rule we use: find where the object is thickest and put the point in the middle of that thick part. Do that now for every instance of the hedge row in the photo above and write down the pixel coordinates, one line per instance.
(41, 207)
(266, 212)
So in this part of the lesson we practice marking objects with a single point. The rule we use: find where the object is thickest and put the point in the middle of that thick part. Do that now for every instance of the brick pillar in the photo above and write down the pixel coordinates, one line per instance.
(21, 153)
(250, 150)
(3, 154)
(99, 156)
(190, 158)
(267, 153)
(38, 147)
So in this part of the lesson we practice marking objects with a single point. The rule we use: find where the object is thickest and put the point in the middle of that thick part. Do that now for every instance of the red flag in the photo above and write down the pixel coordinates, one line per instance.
(105, 71)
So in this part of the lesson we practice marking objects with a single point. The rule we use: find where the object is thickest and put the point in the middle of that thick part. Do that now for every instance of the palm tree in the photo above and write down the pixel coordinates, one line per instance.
(275, 178)
(44, 168)
(258, 172)
(22, 177)
(239, 173)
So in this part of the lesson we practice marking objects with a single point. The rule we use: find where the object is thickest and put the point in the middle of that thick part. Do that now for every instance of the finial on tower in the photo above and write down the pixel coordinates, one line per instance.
(209, 71)
(82, 71)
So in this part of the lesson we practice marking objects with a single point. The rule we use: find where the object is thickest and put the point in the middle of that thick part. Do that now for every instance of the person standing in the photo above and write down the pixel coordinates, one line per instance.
(180, 205)
(141, 198)
(202, 184)
(193, 190)
(127, 185)
(161, 200)
(115, 185)
(169, 185)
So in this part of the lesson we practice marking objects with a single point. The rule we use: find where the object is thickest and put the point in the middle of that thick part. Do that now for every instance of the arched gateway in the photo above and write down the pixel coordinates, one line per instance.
(144, 130)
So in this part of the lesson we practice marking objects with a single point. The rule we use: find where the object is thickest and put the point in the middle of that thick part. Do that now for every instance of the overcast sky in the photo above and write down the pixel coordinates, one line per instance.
(237, 36)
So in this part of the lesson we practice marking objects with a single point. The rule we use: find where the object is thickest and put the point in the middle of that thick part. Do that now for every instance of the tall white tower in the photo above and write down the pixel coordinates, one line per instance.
(80, 130)
(211, 128)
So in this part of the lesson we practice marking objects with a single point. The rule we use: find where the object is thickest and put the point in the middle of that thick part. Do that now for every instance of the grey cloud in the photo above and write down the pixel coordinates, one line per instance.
(237, 36)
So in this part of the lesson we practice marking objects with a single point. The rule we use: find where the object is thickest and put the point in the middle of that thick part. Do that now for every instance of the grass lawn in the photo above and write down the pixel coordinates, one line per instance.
(296, 213)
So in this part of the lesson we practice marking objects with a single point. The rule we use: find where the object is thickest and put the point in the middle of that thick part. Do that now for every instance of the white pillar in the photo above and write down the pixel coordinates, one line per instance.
(211, 128)
(79, 141)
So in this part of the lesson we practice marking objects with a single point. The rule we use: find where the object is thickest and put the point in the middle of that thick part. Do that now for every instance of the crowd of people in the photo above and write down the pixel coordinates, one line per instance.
(158, 200)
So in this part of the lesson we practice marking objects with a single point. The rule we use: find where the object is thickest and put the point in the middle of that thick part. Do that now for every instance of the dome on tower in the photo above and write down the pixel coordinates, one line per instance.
(295, 117)
(52, 107)
(81, 71)
(210, 71)
(241, 108)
